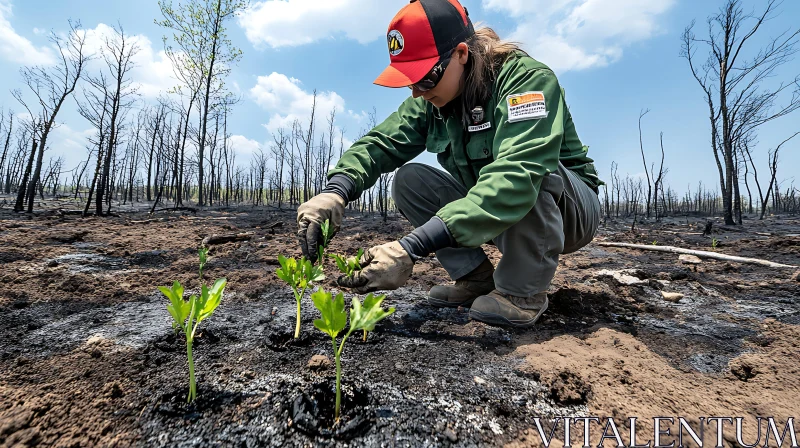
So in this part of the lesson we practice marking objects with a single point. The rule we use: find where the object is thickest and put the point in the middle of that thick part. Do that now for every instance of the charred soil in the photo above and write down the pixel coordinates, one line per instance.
(88, 356)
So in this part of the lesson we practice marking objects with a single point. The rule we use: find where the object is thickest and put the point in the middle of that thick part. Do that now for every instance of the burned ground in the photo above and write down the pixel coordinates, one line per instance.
(88, 357)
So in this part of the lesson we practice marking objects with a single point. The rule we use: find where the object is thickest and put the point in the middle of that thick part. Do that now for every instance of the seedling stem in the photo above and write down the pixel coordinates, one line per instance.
(298, 298)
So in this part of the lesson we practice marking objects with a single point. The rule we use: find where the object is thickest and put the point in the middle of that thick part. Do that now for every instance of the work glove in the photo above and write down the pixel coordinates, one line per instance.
(387, 266)
(310, 217)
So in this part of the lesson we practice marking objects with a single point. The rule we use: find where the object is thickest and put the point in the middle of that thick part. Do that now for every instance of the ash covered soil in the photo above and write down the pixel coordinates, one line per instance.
(88, 356)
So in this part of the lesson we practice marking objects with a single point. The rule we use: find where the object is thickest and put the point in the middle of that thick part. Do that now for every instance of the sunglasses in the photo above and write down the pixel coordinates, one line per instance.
(434, 76)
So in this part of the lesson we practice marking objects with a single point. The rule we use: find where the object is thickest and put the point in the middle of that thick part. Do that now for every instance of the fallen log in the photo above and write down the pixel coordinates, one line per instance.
(675, 233)
(699, 253)
(177, 209)
(62, 212)
(208, 218)
(274, 226)
(148, 221)
(227, 238)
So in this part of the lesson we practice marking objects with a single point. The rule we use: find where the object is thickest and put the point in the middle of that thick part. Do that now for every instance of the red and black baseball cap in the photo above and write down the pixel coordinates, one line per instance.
(419, 35)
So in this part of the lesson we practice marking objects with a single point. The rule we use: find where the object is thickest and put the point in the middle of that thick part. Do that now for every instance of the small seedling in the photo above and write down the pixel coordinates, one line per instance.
(334, 318)
(327, 236)
(348, 266)
(299, 275)
(714, 243)
(203, 254)
(654, 243)
(187, 316)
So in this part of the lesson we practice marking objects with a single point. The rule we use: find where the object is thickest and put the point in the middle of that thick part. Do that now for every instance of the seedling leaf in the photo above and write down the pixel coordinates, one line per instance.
(334, 318)
(348, 266)
(203, 254)
(327, 232)
(366, 316)
(179, 309)
(327, 236)
(316, 274)
(212, 299)
(341, 263)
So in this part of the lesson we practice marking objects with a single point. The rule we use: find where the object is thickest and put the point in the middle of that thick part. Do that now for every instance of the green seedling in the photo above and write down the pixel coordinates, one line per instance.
(299, 275)
(334, 318)
(327, 236)
(714, 243)
(203, 254)
(654, 243)
(348, 266)
(187, 316)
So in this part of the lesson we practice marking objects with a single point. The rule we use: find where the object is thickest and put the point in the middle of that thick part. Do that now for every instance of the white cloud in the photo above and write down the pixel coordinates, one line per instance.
(561, 55)
(580, 34)
(519, 7)
(69, 143)
(281, 23)
(286, 101)
(152, 73)
(358, 117)
(16, 48)
(243, 145)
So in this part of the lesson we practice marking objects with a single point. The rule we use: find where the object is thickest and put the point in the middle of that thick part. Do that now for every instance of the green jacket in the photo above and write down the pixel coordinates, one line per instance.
(502, 166)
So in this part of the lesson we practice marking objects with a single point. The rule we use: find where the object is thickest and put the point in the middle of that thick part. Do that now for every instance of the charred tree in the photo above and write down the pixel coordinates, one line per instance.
(733, 85)
(51, 87)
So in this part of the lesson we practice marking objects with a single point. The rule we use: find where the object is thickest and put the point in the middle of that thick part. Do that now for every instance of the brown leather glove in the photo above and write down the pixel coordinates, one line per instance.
(387, 266)
(310, 217)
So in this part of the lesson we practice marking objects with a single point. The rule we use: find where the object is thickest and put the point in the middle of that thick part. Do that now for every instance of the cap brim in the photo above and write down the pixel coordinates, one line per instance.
(402, 74)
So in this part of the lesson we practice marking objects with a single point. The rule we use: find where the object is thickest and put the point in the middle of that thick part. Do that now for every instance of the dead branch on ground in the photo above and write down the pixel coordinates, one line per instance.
(227, 238)
(699, 253)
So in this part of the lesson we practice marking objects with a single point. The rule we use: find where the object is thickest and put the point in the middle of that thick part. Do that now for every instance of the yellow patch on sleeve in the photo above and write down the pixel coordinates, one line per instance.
(526, 106)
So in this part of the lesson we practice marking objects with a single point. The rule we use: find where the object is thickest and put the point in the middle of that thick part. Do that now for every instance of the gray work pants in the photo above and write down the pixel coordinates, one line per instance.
(564, 219)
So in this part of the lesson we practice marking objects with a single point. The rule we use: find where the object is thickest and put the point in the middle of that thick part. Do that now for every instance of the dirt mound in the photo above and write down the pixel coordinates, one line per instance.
(629, 379)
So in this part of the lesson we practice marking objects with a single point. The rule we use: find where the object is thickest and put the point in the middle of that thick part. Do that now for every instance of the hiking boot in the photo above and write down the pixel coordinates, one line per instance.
(466, 289)
(501, 309)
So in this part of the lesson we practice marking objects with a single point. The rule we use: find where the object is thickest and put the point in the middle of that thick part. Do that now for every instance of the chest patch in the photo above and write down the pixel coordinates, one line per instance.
(526, 106)
(480, 127)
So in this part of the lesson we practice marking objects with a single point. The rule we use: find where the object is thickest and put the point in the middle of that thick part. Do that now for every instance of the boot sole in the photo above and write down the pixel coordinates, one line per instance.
(496, 319)
(445, 304)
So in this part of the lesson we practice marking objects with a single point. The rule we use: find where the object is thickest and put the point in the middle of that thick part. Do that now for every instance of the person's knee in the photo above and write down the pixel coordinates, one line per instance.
(406, 180)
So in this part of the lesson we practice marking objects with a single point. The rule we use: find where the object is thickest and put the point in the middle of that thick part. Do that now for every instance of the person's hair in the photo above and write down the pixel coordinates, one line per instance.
(487, 53)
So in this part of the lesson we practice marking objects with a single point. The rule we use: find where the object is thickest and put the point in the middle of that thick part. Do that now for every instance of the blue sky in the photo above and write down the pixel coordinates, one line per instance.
(613, 57)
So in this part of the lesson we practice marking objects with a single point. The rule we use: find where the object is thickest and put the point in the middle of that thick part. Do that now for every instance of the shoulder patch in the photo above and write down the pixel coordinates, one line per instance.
(526, 106)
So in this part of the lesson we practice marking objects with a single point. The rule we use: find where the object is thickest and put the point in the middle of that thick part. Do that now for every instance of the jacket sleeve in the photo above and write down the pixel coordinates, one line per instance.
(524, 151)
(388, 146)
